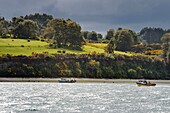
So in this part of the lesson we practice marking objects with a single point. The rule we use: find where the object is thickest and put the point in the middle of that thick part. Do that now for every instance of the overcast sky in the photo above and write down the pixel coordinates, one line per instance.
(96, 15)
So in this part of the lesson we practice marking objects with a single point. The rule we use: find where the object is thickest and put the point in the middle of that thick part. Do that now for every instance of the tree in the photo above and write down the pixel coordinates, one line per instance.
(57, 27)
(111, 46)
(166, 44)
(40, 19)
(48, 33)
(1, 29)
(84, 34)
(166, 38)
(110, 34)
(124, 40)
(64, 32)
(132, 73)
(168, 57)
(16, 21)
(25, 29)
(92, 36)
(73, 37)
(135, 36)
(99, 36)
(4, 27)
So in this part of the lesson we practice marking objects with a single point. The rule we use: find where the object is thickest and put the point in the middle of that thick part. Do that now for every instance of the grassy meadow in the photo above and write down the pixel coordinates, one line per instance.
(24, 47)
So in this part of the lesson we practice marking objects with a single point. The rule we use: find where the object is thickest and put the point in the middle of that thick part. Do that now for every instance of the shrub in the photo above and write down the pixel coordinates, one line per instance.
(132, 73)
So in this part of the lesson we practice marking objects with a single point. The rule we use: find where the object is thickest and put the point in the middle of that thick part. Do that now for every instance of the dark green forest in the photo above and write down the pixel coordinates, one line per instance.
(84, 66)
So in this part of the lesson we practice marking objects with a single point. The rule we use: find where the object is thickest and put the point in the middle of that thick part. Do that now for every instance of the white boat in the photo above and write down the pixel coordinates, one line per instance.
(145, 83)
(63, 80)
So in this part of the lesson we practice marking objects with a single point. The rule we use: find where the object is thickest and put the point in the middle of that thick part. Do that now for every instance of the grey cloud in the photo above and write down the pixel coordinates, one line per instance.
(96, 14)
(10, 8)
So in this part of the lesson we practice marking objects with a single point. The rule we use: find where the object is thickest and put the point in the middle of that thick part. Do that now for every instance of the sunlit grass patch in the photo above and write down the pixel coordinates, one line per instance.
(97, 45)
(27, 47)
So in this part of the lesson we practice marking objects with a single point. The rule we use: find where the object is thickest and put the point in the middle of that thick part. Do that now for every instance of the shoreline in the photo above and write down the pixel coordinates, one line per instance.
(80, 80)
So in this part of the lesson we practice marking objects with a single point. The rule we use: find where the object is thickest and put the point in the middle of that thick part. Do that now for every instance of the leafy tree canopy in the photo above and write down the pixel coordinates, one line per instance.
(166, 38)
(64, 32)
(111, 46)
(25, 29)
(166, 44)
(99, 36)
(92, 35)
(41, 19)
(110, 34)
(124, 40)
(1, 29)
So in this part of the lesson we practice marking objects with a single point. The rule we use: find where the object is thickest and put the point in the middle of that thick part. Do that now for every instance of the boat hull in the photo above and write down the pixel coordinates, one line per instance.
(66, 81)
(146, 84)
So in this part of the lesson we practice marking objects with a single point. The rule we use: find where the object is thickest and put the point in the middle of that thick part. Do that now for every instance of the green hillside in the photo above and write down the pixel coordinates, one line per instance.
(23, 47)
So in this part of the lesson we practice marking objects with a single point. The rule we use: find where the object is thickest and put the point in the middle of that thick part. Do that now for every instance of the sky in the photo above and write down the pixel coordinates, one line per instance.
(96, 15)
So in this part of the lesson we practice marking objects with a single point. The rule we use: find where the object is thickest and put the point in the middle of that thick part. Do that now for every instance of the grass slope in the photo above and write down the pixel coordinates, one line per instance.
(23, 47)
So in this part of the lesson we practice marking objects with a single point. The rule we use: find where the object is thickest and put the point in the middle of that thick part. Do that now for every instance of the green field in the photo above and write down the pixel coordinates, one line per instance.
(23, 47)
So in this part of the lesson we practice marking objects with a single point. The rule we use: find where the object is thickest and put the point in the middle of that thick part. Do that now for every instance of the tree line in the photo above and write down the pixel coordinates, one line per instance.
(153, 35)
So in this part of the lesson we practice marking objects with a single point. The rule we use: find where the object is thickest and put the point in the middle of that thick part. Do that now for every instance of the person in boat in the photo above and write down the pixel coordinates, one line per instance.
(145, 82)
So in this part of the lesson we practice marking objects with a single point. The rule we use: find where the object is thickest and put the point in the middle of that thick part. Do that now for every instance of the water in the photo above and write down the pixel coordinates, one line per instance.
(83, 98)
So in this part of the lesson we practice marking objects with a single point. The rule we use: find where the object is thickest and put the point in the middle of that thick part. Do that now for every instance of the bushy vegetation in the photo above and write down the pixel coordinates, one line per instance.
(64, 33)
(91, 36)
(166, 45)
(151, 49)
(124, 39)
(83, 65)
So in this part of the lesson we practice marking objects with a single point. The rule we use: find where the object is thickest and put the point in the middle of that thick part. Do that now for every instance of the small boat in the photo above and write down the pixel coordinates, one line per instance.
(145, 83)
(63, 80)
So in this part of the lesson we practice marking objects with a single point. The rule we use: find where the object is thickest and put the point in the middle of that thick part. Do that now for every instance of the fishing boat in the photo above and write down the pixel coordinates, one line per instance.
(145, 83)
(63, 80)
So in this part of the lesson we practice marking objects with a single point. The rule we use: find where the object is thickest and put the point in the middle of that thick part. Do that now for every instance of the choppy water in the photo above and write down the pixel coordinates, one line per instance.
(83, 97)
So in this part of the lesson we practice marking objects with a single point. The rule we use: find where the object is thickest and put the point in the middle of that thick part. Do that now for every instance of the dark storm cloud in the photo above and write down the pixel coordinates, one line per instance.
(97, 15)
(10, 8)
(117, 11)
